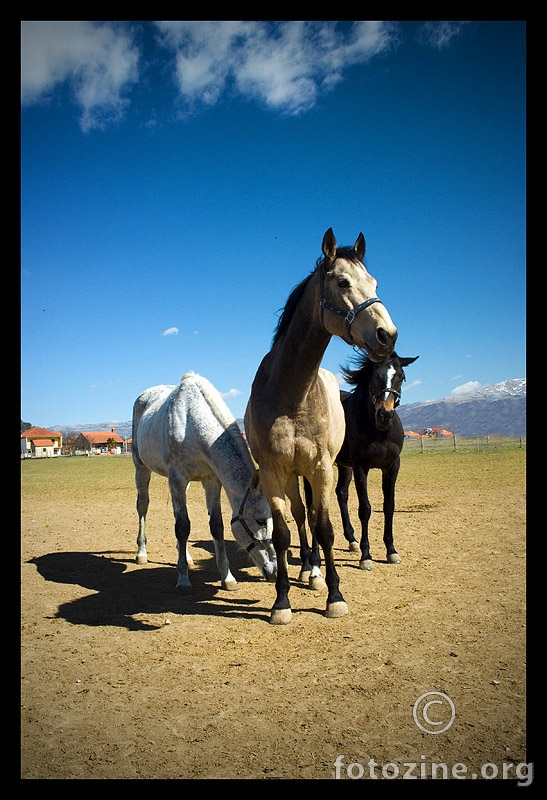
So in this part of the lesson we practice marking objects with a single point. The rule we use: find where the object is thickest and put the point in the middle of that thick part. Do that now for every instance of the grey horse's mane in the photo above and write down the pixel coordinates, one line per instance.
(220, 410)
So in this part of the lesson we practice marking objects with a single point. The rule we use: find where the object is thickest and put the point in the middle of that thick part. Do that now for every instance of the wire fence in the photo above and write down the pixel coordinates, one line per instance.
(456, 443)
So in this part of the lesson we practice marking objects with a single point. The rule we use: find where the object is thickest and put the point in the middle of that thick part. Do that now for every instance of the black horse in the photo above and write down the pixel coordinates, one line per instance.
(374, 440)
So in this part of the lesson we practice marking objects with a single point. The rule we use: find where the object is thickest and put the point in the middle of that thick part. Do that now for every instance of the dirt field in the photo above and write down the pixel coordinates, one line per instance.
(123, 679)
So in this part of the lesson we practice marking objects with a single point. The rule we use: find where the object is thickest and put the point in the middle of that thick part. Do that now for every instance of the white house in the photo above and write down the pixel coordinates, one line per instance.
(41, 443)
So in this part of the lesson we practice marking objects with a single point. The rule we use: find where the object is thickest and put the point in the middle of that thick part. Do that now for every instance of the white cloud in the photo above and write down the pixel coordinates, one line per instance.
(231, 393)
(170, 332)
(465, 388)
(99, 62)
(412, 385)
(440, 35)
(283, 64)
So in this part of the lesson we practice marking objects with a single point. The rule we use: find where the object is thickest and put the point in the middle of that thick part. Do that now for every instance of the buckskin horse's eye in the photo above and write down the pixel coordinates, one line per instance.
(343, 283)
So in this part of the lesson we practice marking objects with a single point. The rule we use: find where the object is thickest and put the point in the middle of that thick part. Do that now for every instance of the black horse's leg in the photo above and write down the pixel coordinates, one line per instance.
(361, 475)
(342, 495)
(389, 478)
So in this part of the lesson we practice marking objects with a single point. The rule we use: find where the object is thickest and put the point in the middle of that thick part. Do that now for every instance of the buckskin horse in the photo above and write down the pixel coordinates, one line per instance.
(187, 433)
(294, 419)
(374, 440)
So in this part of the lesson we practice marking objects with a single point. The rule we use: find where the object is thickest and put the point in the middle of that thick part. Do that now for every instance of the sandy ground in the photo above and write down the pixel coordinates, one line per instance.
(123, 679)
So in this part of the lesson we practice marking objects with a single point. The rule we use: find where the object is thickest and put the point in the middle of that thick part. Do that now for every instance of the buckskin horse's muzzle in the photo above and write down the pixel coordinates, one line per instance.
(348, 314)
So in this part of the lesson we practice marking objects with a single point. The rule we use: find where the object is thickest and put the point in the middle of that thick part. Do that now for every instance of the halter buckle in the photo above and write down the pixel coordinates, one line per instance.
(350, 316)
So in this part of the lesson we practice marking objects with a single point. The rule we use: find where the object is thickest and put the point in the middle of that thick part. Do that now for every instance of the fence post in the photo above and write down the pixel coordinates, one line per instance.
(422, 443)
(454, 442)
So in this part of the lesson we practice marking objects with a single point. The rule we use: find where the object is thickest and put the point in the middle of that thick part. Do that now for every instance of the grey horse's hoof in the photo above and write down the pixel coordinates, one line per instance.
(230, 586)
(280, 616)
(368, 564)
(269, 572)
(142, 559)
(338, 609)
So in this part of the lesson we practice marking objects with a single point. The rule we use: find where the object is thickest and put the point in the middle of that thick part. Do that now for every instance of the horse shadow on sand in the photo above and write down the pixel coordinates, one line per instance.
(120, 594)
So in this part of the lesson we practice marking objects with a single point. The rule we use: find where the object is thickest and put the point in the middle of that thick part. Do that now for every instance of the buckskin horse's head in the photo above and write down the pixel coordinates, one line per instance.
(349, 305)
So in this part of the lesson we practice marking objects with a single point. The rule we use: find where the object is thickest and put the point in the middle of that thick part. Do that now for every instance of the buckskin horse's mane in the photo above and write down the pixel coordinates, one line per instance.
(290, 307)
(296, 294)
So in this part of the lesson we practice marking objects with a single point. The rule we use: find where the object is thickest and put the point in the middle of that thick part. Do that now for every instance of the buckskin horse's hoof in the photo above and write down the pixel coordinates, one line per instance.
(280, 616)
(368, 564)
(338, 609)
(354, 547)
(394, 558)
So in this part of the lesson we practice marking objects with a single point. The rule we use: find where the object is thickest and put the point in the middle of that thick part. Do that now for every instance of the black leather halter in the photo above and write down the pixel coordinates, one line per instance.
(348, 314)
(239, 518)
(397, 394)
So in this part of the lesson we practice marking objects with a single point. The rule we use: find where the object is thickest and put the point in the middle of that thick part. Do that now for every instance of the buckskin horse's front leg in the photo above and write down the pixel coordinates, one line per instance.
(281, 613)
(336, 605)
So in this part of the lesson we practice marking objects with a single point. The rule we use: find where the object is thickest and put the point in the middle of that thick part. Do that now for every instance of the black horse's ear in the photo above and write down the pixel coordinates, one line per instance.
(406, 361)
(329, 245)
(360, 246)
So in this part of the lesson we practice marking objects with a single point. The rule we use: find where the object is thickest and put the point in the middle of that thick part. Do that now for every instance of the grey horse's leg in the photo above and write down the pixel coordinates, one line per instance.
(142, 481)
(216, 526)
(178, 486)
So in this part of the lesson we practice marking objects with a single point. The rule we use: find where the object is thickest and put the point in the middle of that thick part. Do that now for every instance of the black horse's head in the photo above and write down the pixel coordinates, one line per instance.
(380, 383)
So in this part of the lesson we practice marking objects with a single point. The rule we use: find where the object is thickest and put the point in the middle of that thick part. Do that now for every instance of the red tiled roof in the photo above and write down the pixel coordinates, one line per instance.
(42, 442)
(101, 437)
(32, 433)
(442, 432)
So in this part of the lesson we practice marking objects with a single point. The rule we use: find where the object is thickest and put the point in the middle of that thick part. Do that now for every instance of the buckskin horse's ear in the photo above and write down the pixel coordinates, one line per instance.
(329, 245)
(255, 481)
(360, 247)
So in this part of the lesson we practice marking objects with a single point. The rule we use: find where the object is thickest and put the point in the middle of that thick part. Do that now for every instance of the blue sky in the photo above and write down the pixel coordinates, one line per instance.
(177, 179)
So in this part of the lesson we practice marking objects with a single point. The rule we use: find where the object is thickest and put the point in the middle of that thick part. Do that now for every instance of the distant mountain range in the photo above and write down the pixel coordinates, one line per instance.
(494, 410)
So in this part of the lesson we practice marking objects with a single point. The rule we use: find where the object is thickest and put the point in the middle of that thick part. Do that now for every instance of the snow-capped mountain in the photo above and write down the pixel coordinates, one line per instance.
(498, 409)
